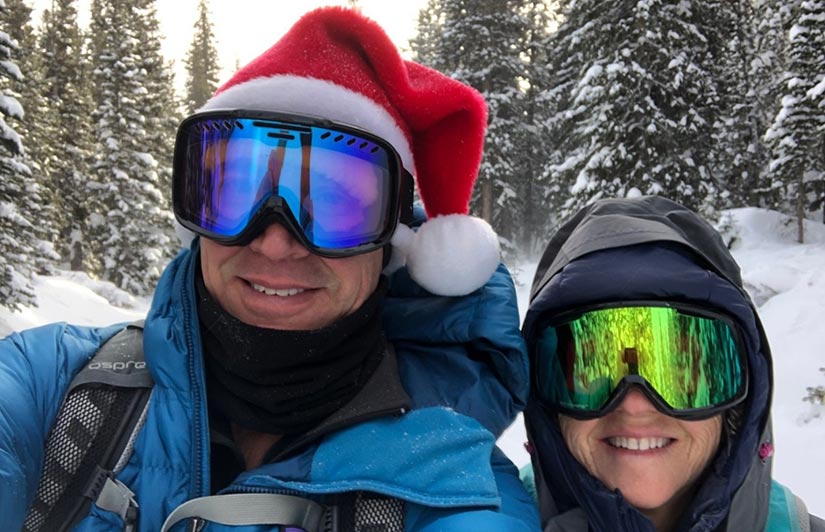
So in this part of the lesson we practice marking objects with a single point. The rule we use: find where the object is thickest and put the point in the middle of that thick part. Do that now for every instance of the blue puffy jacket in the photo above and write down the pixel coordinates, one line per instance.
(461, 360)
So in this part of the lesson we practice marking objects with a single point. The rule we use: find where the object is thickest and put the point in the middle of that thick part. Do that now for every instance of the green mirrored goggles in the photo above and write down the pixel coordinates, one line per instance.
(689, 361)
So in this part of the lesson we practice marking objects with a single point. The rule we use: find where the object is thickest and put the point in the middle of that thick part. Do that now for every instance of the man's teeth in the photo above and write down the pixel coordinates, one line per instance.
(639, 444)
(283, 292)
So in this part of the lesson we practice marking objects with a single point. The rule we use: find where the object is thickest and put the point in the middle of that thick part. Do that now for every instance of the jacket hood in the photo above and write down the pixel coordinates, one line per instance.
(474, 342)
(488, 375)
(651, 248)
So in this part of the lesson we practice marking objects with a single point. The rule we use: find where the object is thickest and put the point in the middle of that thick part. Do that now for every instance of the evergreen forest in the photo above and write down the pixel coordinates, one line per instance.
(716, 104)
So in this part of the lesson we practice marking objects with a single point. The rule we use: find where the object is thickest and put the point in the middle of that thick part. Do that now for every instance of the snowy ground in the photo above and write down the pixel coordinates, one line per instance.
(786, 279)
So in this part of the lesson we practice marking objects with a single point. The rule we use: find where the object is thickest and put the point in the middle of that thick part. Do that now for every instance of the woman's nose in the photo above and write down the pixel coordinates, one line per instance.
(635, 402)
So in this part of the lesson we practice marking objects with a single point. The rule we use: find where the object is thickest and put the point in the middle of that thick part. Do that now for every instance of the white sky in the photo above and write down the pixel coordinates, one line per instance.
(245, 28)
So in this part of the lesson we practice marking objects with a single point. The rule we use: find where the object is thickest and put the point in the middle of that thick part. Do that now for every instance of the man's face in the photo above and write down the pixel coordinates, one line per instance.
(276, 283)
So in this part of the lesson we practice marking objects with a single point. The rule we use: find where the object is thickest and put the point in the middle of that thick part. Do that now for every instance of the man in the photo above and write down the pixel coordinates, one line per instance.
(284, 362)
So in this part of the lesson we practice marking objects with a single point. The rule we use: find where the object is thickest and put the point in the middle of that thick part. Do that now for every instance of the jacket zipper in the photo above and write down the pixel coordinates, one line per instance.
(193, 382)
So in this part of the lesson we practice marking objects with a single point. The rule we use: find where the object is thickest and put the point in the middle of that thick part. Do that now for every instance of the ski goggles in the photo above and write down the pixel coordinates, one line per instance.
(339, 191)
(688, 361)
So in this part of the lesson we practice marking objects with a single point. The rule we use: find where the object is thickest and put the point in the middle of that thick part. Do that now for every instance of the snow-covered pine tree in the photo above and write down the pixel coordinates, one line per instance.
(796, 135)
(634, 102)
(479, 43)
(564, 67)
(64, 135)
(425, 44)
(773, 20)
(201, 62)
(738, 155)
(18, 15)
(533, 138)
(18, 239)
(161, 109)
(127, 218)
(38, 206)
(816, 394)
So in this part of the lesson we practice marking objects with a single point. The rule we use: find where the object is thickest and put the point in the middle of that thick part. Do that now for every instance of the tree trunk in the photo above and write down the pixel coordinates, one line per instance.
(76, 257)
(487, 201)
(800, 208)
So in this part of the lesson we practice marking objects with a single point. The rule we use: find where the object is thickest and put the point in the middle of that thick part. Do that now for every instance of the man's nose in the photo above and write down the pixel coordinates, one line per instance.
(635, 402)
(277, 243)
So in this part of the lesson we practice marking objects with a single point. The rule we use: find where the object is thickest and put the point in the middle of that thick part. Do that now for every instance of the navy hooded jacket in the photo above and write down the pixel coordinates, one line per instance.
(651, 248)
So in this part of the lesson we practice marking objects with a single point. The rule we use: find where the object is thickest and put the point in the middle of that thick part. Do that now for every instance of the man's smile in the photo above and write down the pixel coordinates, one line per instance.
(281, 292)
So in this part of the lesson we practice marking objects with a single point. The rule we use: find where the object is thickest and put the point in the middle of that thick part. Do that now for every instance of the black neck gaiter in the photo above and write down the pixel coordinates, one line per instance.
(286, 382)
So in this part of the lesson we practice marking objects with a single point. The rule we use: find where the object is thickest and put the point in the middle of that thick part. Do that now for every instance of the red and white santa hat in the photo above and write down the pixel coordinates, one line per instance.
(336, 64)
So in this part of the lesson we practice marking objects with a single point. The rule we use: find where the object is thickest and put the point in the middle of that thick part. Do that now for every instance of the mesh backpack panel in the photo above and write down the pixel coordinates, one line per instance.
(78, 443)
(365, 512)
(94, 429)
(374, 513)
(94, 432)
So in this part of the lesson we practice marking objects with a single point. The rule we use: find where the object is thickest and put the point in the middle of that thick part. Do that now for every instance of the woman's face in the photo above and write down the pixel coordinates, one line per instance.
(652, 458)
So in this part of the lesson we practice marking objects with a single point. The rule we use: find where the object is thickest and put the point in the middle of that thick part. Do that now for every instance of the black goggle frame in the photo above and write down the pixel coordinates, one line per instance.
(275, 209)
(629, 382)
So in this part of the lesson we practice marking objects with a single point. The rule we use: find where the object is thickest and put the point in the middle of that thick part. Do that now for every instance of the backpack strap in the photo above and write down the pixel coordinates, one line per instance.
(803, 519)
(817, 524)
(339, 512)
(807, 521)
(93, 436)
(240, 509)
(788, 512)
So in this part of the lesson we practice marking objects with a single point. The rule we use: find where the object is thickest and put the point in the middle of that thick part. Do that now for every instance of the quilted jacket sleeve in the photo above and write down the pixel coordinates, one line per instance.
(518, 512)
(36, 367)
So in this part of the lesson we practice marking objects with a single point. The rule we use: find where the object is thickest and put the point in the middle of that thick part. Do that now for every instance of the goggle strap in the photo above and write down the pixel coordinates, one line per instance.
(306, 209)
(626, 385)
(407, 195)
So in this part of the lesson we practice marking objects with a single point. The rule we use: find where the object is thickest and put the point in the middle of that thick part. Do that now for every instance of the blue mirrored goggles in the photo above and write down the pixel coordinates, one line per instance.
(339, 190)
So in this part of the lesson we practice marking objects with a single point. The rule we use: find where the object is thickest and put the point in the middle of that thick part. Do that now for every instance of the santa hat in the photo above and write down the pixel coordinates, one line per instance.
(336, 64)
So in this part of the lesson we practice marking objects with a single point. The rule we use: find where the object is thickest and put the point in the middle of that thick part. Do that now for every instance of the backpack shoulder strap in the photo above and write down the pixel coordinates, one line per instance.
(807, 522)
(337, 512)
(239, 509)
(788, 512)
(817, 524)
(93, 436)
(119, 362)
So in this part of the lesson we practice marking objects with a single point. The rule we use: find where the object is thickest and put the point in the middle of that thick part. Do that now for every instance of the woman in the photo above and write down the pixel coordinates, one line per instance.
(651, 380)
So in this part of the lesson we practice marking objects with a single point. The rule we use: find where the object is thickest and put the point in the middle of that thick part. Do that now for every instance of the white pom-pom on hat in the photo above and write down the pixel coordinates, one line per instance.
(450, 255)
(401, 245)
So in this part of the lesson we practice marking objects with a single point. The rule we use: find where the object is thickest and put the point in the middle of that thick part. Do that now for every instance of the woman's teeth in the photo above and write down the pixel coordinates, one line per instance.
(638, 444)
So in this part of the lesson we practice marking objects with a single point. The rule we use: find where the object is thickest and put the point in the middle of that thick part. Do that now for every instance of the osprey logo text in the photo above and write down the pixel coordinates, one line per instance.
(118, 366)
